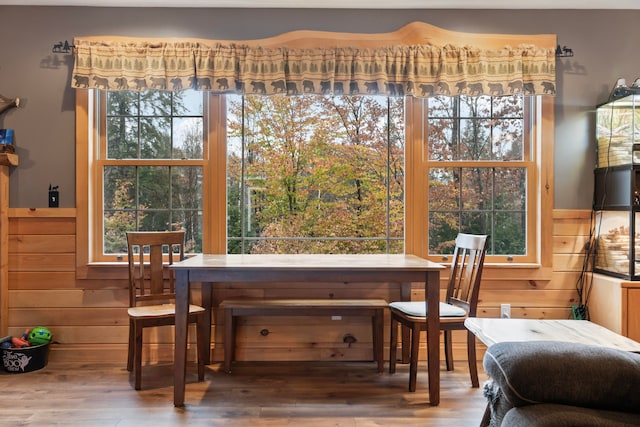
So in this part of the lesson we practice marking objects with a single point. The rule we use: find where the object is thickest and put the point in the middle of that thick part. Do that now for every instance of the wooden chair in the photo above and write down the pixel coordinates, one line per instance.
(152, 295)
(461, 302)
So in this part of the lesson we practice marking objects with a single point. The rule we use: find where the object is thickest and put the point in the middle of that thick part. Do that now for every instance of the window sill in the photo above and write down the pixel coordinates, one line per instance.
(103, 270)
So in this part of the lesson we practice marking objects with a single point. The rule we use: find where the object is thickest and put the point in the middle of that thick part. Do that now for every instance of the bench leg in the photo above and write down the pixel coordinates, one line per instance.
(377, 326)
(229, 339)
(405, 295)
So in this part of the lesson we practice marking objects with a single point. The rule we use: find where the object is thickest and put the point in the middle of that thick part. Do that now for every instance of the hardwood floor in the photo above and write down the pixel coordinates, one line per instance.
(344, 394)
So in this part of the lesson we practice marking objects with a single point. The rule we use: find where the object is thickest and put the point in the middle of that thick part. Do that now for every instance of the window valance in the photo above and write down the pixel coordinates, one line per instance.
(418, 59)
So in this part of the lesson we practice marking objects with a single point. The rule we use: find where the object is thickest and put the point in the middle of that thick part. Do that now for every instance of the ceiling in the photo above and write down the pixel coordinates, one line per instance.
(342, 4)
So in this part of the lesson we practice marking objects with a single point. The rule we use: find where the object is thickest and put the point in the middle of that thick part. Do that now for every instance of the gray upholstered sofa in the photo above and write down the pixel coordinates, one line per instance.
(559, 384)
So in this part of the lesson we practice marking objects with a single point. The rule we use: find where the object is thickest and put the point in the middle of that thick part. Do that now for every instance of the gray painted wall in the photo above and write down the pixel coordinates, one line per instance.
(605, 45)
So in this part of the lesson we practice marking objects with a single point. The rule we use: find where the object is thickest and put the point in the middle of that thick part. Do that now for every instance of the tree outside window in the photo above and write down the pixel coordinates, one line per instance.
(314, 174)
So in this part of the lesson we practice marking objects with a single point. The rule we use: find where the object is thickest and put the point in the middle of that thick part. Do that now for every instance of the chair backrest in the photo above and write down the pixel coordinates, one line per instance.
(146, 252)
(466, 271)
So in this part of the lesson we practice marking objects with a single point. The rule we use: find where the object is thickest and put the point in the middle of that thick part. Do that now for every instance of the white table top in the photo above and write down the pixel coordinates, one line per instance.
(491, 331)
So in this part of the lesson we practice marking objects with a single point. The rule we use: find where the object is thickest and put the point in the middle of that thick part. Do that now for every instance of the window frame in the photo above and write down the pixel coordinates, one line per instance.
(214, 183)
(528, 163)
(540, 198)
(101, 160)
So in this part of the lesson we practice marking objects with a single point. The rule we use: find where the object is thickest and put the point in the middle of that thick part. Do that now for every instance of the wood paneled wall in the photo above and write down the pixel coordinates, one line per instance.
(89, 321)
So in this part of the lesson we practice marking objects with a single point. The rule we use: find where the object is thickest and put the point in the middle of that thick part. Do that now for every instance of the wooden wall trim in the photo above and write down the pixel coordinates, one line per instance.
(42, 212)
(572, 213)
(4, 252)
(84, 137)
(87, 313)
(545, 146)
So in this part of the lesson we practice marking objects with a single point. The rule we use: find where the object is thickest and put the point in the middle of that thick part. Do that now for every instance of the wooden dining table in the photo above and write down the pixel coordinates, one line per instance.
(211, 269)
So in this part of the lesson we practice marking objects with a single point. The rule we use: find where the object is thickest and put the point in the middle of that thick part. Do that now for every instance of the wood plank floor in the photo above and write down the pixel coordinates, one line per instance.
(344, 394)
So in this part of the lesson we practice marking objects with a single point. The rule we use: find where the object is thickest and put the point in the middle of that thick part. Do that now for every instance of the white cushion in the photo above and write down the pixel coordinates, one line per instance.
(419, 309)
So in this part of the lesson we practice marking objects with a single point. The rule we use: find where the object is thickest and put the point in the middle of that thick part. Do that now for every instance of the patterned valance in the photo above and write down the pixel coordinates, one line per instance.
(418, 59)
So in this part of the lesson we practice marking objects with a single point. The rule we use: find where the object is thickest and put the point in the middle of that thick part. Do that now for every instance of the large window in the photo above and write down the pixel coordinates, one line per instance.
(314, 174)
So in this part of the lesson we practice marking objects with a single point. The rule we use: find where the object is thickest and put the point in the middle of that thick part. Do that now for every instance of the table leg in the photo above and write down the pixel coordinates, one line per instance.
(432, 292)
(180, 349)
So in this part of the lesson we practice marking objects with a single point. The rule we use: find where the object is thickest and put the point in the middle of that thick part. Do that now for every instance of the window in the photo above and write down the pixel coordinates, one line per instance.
(481, 169)
(315, 174)
(149, 167)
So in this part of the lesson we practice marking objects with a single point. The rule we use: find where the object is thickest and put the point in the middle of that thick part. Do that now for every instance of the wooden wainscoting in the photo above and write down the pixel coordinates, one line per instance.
(87, 311)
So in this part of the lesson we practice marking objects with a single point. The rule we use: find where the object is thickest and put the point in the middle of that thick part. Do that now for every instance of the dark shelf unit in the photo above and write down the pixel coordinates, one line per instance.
(617, 219)
(616, 200)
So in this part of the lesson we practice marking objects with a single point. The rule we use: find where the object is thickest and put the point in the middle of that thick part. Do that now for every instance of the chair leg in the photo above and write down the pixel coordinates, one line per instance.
(406, 343)
(130, 346)
(471, 356)
(393, 345)
(202, 345)
(448, 350)
(413, 362)
(138, 356)
(486, 417)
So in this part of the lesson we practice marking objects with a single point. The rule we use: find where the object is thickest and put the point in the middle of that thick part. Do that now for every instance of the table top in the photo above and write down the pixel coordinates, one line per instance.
(347, 262)
(491, 331)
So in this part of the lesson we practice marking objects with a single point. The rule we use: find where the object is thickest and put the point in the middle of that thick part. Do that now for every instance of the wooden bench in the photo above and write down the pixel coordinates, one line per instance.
(373, 308)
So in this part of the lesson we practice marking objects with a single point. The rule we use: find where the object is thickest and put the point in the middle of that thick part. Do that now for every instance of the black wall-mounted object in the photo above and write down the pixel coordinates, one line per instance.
(62, 47)
(564, 52)
(54, 197)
